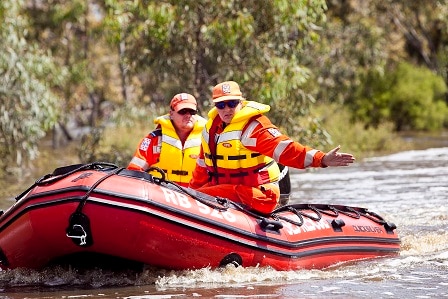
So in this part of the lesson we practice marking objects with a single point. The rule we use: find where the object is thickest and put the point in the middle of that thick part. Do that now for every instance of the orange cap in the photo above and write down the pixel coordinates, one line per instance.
(228, 90)
(183, 100)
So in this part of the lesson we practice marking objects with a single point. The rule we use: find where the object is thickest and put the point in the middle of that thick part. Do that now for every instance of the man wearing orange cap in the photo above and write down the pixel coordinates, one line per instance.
(175, 143)
(241, 148)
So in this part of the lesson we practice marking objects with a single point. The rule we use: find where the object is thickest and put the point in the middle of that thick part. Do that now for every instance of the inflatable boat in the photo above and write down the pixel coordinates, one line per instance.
(103, 210)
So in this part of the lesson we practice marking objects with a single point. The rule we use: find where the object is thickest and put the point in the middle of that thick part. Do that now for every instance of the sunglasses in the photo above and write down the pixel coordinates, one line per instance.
(186, 110)
(231, 104)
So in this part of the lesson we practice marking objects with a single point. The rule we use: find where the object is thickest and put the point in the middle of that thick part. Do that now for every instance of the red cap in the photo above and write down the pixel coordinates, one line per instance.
(228, 90)
(183, 100)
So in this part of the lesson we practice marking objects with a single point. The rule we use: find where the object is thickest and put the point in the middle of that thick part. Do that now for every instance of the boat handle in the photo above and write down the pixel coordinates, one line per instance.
(81, 237)
(270, 224)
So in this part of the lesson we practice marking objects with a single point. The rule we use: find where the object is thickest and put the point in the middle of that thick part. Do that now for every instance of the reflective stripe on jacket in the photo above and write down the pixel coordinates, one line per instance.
(176, 160)
(162, 148)
(232, 162)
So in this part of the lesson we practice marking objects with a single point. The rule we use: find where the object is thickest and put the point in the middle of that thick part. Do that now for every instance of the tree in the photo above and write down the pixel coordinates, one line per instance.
(28, 108)
(364, 39)
(191, 45)
(410, 97)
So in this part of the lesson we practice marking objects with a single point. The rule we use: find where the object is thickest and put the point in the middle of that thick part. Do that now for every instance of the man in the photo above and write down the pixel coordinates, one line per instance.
(175, 143)
(240, 150)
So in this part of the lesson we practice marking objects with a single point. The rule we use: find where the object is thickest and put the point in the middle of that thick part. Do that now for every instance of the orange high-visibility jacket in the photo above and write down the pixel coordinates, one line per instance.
(258, 136)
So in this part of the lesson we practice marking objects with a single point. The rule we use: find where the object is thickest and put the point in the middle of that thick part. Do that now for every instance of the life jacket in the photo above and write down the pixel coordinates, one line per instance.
(176, 161)
(232, 162)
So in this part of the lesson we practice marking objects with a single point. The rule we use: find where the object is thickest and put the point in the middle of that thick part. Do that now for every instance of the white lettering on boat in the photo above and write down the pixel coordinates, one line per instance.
(206, 210)
(307, 226)
(179, 199)
(176, 198)
(216, 214)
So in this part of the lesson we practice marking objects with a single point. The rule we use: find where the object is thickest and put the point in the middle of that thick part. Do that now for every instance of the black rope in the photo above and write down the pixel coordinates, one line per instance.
(203, 198)
(57, 176)
(374, 217)
(318, 216)
(350, 212)
(63, 172)
(86, 196)
(300, 223)
(329, 210)
(333, 213)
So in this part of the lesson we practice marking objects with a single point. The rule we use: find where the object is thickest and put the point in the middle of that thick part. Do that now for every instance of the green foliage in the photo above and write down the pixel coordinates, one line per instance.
(354, 137)
(410, 97)
(290, 54)
(351, 46)
(194, 44)
(417, 99)
(28, 108)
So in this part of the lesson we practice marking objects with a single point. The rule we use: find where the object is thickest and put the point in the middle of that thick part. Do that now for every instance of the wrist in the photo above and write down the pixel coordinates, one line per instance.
(322, 163)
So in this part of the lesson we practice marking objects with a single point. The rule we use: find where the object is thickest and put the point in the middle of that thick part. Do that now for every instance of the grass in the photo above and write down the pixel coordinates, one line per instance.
(118, 143)
(355, 138)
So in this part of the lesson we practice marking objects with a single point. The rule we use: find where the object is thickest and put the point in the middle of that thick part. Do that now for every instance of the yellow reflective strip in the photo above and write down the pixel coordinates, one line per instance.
(245, 140)
(192, 143)
(228, 136)
(205, 135)
(309, 157)
(280, 148)
(139, 162)
(172, 141)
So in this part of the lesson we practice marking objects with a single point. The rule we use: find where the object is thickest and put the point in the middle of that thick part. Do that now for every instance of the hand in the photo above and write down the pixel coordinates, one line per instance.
(333, 158)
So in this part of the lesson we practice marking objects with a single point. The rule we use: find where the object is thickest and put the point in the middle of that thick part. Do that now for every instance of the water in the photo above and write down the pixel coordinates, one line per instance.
(408, 188)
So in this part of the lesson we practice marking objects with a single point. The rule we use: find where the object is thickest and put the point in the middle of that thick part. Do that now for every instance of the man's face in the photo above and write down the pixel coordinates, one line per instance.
(184, 119)
(228, 109)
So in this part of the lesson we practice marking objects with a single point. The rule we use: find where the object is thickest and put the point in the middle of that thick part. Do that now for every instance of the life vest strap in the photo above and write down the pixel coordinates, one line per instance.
(231, 158)
(240, 173)
(177, 172)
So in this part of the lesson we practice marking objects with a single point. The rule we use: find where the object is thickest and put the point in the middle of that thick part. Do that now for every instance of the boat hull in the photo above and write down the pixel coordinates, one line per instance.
(128, 215)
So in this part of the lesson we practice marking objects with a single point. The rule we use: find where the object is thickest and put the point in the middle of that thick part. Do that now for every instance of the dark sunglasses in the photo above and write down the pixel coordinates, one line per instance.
(230, 104)
(186, 110)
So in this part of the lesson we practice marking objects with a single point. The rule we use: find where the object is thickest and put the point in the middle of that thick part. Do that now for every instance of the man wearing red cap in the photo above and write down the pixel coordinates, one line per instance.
(175, 143)
(241, 148)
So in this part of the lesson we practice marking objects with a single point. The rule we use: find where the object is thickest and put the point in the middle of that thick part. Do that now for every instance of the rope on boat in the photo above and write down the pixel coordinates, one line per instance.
(224, 203)
(329, 210)
(219, 203)
(63, 172)
(86, 196)
(318, 210)
(201, 197)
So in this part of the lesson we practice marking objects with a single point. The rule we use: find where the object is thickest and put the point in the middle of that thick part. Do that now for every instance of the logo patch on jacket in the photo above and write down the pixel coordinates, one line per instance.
(274, 132)
(194, 156)
(227, 145)
(145, 144)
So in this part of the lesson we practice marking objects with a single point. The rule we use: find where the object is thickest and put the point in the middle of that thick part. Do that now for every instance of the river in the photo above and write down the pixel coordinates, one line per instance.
(409, 189)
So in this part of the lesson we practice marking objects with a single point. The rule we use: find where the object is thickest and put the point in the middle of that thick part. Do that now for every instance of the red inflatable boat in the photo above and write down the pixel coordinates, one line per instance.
(106, 210)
